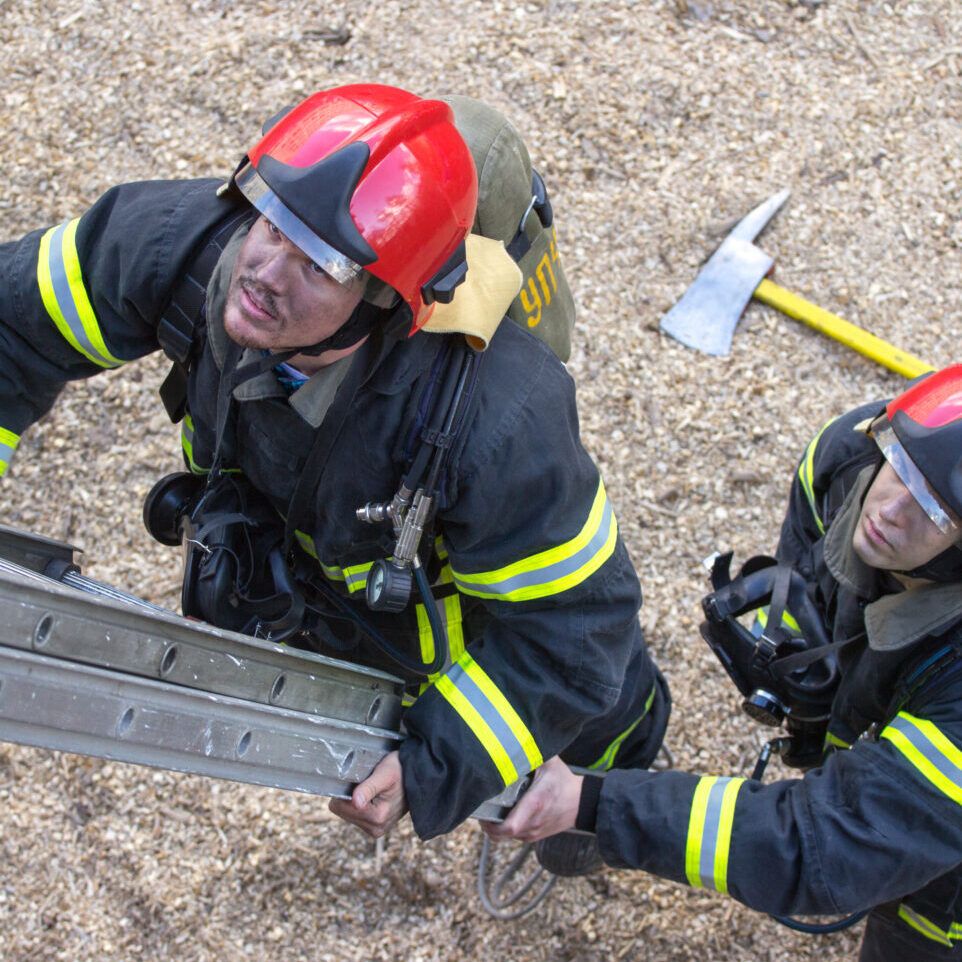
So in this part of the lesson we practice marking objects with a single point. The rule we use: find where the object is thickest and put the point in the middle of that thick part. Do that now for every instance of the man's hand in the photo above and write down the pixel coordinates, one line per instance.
(549, 806)
(378, 803)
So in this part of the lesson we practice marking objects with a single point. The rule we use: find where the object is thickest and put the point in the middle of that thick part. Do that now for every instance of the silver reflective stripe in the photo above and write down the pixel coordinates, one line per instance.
(706, 864)
(556, 571)
(458, 677)
(69, 309)
(910, 475)
(929, 750)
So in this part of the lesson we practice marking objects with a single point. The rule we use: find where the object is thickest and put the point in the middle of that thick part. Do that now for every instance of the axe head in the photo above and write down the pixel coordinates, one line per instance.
(706, 316)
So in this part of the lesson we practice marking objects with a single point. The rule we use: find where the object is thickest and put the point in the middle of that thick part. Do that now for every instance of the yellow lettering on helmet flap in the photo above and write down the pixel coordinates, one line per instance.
(544, 265)
(532, 304)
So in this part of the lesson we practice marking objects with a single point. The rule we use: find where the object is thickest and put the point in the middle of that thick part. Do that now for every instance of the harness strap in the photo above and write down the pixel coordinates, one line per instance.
(946, 658)
(232, 377)
(520, 244)
(183, 318)
(178, 325)
(325, 438)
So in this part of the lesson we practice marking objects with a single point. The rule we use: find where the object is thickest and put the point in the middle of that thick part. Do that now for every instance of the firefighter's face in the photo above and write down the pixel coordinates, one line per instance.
(893, 532)
(279, 298)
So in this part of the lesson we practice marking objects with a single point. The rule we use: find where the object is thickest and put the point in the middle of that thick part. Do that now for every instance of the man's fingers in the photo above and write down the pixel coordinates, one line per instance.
(377, 803)
(382, 779)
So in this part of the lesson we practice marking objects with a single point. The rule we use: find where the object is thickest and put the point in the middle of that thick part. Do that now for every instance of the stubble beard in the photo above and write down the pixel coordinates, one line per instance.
(246, 331)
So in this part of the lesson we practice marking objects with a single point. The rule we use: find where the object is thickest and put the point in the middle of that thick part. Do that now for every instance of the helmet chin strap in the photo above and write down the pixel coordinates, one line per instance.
(944, 567)
(364, 319)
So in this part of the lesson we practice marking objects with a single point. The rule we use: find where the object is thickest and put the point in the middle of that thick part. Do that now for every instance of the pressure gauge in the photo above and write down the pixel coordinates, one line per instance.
(388, 586)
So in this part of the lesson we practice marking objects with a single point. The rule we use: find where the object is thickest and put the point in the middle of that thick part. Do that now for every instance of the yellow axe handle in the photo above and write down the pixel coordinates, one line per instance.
(850, 335)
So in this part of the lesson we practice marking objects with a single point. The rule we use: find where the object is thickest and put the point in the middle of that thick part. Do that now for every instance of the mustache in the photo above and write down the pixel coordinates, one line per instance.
(262, 294)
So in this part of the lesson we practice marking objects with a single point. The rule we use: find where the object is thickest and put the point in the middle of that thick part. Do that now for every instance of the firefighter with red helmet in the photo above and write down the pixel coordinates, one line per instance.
(873, 527)
(297, 302)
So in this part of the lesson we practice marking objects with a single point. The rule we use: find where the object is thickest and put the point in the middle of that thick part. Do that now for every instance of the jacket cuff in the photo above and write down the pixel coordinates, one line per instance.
(587, 817)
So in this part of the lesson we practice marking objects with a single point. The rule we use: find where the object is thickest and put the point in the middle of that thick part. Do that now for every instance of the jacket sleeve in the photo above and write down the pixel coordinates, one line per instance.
(876, 822)
(86, 295)
(531, 537)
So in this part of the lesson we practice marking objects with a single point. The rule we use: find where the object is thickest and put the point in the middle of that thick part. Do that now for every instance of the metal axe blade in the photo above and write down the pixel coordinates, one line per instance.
(707, 314)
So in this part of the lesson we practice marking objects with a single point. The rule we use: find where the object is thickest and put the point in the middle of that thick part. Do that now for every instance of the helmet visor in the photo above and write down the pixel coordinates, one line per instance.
(339, 266)
(910, 475)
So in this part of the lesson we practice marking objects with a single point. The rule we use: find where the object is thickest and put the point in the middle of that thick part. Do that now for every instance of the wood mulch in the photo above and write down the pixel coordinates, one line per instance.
(656, 124)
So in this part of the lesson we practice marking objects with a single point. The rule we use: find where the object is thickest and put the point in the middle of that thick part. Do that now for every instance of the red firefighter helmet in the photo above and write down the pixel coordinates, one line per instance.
(370, 181)
(921, 437)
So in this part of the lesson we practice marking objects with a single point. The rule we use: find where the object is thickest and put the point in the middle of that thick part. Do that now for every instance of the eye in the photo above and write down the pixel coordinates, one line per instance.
(317, 269)
(272, 228)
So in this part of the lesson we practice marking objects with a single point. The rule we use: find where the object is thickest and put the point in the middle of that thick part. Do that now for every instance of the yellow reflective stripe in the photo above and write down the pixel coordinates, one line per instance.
(935, 757)
(608, 756)
(696, 830)
(307, 543)
(787, 620)
(831, 739)
(925, 927)
(491, 717)
(806, 471)
(354, 576)
(187, 443)
(447, 576)
(450, 611)
(709, 832)
(60, 280)
(425, 634)
(8, 444)
(455, 628)
(555, 570)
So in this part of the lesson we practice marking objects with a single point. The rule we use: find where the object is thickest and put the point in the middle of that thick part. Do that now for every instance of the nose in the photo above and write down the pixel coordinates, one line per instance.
(273, 268)
(898, 505)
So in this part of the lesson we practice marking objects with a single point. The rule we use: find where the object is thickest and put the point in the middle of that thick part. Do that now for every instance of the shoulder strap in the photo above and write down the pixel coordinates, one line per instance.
(177, 331)
(924, 672)
(840, 486)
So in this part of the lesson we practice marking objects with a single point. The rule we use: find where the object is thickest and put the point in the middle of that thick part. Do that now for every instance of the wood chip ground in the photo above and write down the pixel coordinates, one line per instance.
(656, 125)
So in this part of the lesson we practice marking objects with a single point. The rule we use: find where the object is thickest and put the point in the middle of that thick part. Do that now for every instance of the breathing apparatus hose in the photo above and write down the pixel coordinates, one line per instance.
(826, 928)
(437, 462)
(434, 619)
(403, 660)
(431, 457)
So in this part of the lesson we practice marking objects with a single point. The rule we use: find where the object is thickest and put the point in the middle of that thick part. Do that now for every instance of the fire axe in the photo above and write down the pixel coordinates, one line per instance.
(706, 316)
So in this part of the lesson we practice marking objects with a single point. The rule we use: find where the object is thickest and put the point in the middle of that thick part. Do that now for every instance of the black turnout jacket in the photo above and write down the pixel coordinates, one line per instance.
(881, 820)
(536, 591)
